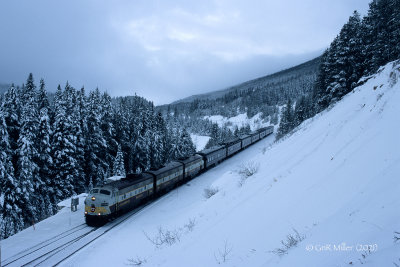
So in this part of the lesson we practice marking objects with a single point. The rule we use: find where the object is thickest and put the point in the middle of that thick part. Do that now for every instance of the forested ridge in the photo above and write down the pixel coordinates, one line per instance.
(263, 95)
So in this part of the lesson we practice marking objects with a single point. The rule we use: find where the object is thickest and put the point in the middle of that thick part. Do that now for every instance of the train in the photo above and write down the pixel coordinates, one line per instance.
(120, 196)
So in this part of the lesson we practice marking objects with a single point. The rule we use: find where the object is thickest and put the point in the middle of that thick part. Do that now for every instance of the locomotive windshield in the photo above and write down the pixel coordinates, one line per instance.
(105, 192)
(94, 191)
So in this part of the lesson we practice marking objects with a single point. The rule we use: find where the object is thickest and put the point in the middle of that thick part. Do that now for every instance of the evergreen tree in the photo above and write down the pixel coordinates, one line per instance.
(300, 111)
(108, 132)
(96, 143)
(12, 112)
(80, 117)
(45, 161)
(175, 146)
(63, 151)
(236, 131)
(214, 136)
(11, 195)
(161, 141)
(119, 165)
(287, 120)
(28, 172)
(186, 144)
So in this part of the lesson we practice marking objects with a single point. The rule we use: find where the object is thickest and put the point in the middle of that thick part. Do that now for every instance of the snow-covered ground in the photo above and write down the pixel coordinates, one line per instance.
(42, 231)
(335, 181)
(240, 120)
(200, 141)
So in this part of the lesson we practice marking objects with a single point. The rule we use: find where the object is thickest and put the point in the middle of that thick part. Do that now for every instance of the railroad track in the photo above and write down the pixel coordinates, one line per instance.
(61, 247)
(42, 245)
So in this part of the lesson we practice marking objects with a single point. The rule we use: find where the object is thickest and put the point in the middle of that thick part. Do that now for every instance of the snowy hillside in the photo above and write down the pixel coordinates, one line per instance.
(241, 120)
(333, 186)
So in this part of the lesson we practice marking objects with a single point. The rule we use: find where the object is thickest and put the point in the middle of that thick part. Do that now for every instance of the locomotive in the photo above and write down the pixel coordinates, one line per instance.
(116, 197)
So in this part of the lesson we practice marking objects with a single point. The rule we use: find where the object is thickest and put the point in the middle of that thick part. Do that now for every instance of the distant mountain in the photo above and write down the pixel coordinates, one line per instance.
(264, 96)
(287, 74)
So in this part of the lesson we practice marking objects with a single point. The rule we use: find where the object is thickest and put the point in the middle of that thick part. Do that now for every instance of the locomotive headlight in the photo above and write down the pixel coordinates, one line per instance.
(93, 198)
(99, 214)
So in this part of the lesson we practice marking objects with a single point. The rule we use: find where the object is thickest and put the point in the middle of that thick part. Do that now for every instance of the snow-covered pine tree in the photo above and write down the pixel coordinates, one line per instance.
(75, 135)
(12, 220)
(286, 124)
(160, 141)
(119, 165)
(28, 171)
(80, 116)
(11, 107)
(393, 25)
(236, 131)
(300, 111)
(187, 145)
(348, 59)
(96, 143)
(381, 13)
(62, 150)
(122, 124)
(108, 132)
(215, 134)
(175, 152)
(142, 145)
(45, 161)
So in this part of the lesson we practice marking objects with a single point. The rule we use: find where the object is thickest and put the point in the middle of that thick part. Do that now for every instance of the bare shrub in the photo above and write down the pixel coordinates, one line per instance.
(210, 191)
(164, 236)
(291, 241)
(396, 236)
(170, 237)
(136, 261)
(393, 77)
(190, 225)
(246, 170)
(222, 255)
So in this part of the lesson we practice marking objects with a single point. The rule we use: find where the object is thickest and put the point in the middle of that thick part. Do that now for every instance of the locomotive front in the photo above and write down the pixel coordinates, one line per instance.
(99, 205)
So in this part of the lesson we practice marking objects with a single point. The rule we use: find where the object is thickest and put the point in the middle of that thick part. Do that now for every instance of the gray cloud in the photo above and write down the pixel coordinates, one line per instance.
(163, 50)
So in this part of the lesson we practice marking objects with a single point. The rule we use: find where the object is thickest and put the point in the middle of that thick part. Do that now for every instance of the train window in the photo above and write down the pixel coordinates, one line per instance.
(105, 192)
(94, 191)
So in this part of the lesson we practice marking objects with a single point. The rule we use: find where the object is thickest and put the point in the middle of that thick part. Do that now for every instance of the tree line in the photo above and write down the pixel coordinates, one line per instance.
(53, 148)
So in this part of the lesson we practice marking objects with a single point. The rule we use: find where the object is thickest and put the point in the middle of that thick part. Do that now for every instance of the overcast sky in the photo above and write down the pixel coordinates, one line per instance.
(163, 50)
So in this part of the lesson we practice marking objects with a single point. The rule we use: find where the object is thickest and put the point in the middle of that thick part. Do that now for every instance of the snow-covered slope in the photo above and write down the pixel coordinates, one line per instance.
(335, 181)
(240, 120)
(200, 141)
